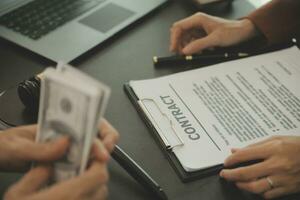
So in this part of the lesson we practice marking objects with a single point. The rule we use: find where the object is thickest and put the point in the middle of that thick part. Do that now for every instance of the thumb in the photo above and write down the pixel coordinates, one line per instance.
(34, 180)
(200, 44)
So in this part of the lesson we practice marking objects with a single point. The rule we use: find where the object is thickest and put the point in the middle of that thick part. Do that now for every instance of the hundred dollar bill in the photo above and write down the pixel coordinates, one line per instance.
(71, 104)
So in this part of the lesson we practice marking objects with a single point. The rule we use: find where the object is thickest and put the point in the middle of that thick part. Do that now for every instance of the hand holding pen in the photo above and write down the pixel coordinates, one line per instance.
(212, 57)
(201, 31)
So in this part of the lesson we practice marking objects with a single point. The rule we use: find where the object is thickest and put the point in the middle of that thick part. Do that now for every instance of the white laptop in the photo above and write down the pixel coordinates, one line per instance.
(65, 29)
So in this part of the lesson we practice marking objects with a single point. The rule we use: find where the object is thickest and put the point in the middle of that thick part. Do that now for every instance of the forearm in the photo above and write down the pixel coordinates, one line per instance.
(278, 20)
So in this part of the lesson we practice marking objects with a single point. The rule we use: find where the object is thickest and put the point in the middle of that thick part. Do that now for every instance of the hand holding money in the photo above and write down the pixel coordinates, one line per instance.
(18, 149)
(91, 185)
(71, 105)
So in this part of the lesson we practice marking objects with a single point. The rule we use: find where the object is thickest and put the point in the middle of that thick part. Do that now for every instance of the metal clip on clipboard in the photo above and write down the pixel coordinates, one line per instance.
(162, 123)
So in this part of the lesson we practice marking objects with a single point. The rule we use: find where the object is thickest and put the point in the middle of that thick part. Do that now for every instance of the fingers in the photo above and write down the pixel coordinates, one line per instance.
(25, 131)
(108, 134)
(276, 176)
(179, 28)
(259, 150)
(234, 150)
(92, 179)
(280, 191)
(247, 173)
(200, 44)
(275, 193)
(82, 186)
(34, 180)
(99, 151)
(264, 141)
(258, 186)
(85, 186)
(262, 186)
(100, 194)
(43, 152)
(248, 154)
(220, 32)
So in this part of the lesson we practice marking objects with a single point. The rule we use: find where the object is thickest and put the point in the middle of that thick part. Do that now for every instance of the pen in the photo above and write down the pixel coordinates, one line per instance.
(193, 58)
(138, 173)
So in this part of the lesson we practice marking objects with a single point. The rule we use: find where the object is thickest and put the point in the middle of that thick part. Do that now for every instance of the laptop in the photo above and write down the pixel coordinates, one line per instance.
(65, 29)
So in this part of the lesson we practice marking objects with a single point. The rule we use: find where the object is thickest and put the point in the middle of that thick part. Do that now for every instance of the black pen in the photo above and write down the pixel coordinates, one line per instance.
(195, 58)
(138, 173)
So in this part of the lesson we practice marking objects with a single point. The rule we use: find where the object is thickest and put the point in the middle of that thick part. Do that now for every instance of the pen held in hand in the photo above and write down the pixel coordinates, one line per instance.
(196, 58)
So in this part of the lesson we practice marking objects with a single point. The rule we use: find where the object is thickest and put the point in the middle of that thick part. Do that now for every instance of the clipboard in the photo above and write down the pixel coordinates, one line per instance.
(175, 163)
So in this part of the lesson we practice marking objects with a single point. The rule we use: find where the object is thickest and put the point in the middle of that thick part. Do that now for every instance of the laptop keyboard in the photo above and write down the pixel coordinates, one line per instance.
(38, 18)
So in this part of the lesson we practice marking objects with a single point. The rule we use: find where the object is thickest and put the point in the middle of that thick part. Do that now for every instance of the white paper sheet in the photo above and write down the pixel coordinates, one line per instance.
(232, 104)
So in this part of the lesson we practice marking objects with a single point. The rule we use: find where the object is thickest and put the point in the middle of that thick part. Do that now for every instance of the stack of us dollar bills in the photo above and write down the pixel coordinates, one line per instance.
(71, 104)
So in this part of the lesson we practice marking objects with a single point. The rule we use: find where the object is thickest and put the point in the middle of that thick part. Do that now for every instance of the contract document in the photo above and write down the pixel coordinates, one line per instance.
(201, 114)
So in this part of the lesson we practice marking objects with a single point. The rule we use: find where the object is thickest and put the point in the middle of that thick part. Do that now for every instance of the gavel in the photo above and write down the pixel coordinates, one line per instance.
(29, 92)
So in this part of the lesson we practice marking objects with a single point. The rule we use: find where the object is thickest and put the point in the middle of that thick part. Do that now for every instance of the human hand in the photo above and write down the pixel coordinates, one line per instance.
(18, 147)
(278, 173)
(108, 135)
(202, 31)
(91, 185)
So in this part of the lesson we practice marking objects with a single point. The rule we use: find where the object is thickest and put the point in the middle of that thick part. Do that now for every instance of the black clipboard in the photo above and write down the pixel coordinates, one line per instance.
(183, 175)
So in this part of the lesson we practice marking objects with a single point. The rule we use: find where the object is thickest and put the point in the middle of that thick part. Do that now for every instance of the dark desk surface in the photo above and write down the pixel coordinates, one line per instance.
(128, 56)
